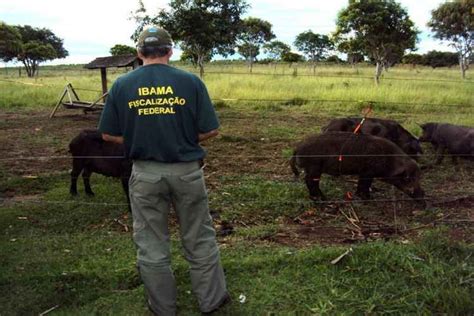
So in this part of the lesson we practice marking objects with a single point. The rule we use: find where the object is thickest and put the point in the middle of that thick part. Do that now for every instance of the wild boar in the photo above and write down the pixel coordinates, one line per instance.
(369, 157)
(457, 141)
(90, 153)
(388, 129)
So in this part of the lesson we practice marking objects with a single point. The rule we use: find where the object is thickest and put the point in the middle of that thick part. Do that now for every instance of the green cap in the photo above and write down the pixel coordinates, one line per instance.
(154, 36)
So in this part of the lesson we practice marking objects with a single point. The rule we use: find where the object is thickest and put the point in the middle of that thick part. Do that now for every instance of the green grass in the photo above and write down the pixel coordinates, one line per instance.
(256, 198)
(347, 93)
(75, 256)
(72, 251)
(91, 271)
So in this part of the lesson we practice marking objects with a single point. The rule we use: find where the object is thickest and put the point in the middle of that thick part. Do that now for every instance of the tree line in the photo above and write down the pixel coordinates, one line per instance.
(432, 59)
(379, 31)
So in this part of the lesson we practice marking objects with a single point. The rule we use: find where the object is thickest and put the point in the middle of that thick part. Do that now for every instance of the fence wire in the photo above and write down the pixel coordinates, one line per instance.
(297, 101)
(239, 179)
(211, 156)
(294, 101)
(331, 76)
(273, 74)
(306, 202)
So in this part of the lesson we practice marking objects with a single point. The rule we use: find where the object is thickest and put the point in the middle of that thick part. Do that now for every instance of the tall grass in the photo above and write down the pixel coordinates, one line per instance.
(332, 87)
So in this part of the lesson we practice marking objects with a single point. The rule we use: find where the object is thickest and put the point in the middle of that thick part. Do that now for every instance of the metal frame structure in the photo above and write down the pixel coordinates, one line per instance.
(101, 63)
(74, 102)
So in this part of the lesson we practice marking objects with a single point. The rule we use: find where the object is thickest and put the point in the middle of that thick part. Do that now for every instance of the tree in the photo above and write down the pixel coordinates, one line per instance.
(290, 57)
(30, 46)
(10, 42)
(381, 29)
(276, 50)
(254, 34)
(119, 49)
(314, 46)
(189, 56)
(203, 27)
(454, 22)
(355, 58)
(249, 52)
(353, 50)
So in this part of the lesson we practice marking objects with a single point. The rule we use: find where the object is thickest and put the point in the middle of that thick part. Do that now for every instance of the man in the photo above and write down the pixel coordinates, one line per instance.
(160, 114)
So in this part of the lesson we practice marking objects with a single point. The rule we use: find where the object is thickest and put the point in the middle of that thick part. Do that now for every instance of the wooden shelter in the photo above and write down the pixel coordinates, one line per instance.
(101, 63)
(119, 61)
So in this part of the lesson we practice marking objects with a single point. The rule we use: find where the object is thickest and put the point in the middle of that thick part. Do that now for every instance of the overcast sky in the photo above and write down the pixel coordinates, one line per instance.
(90, 28)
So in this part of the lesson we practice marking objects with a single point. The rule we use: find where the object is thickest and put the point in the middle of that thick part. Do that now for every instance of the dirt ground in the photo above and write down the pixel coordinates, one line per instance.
(33, 145)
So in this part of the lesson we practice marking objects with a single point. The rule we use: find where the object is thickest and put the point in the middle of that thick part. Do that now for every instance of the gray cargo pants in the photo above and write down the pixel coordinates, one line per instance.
(153, 187)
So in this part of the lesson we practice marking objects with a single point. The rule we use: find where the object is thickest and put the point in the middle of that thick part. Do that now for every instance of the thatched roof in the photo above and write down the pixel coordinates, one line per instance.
(113, 61)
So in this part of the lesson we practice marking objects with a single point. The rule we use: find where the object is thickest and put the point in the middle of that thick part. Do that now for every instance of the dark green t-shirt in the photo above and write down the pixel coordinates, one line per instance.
(159, 110)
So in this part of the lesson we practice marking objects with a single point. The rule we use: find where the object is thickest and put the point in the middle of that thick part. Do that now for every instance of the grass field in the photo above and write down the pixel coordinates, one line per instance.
(76, 255)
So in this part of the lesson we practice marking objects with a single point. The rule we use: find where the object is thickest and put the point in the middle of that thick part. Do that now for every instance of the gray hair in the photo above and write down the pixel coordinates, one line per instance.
(154, 52)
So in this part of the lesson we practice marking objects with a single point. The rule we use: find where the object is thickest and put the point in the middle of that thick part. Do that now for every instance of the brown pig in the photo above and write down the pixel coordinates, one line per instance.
(457, 141)
(369, 157)
(389, 129)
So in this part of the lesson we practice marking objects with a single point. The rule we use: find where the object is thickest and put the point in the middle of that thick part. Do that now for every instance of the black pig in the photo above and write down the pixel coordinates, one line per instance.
(388, 129)
(369, 157)
(89, 152)
(458, 141)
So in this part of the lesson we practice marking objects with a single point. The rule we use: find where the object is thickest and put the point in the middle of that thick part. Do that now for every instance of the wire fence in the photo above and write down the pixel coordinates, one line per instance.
(271, 173)
(289, 102)
(259, 172)
(294, 71)
(213, 156)
(373, 103)
(349, 77)
(296, 101)
(469, 197)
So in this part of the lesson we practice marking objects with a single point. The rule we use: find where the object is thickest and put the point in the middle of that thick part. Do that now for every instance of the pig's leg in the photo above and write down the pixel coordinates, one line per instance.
(77, 166)
(404, 188)
(440, 154)
(86, 175)
(363, 187)
(312, 183)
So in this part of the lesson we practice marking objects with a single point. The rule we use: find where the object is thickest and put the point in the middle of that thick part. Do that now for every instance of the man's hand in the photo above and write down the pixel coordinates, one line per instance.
(113, 139)
(204, 136)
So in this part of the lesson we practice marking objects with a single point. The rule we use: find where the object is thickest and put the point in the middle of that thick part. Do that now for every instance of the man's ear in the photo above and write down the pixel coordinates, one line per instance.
(170, 53)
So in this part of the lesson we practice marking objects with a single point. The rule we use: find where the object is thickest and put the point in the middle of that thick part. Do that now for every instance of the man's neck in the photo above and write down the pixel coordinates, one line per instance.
(152, 61)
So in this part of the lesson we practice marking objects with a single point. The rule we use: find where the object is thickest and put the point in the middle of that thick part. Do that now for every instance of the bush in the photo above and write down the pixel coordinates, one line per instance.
(440, 59)
(414, 59)
(433, 59)
(334, 59)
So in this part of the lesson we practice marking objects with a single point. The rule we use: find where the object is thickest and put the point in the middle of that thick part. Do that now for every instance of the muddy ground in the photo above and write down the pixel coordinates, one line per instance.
(252, 144)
